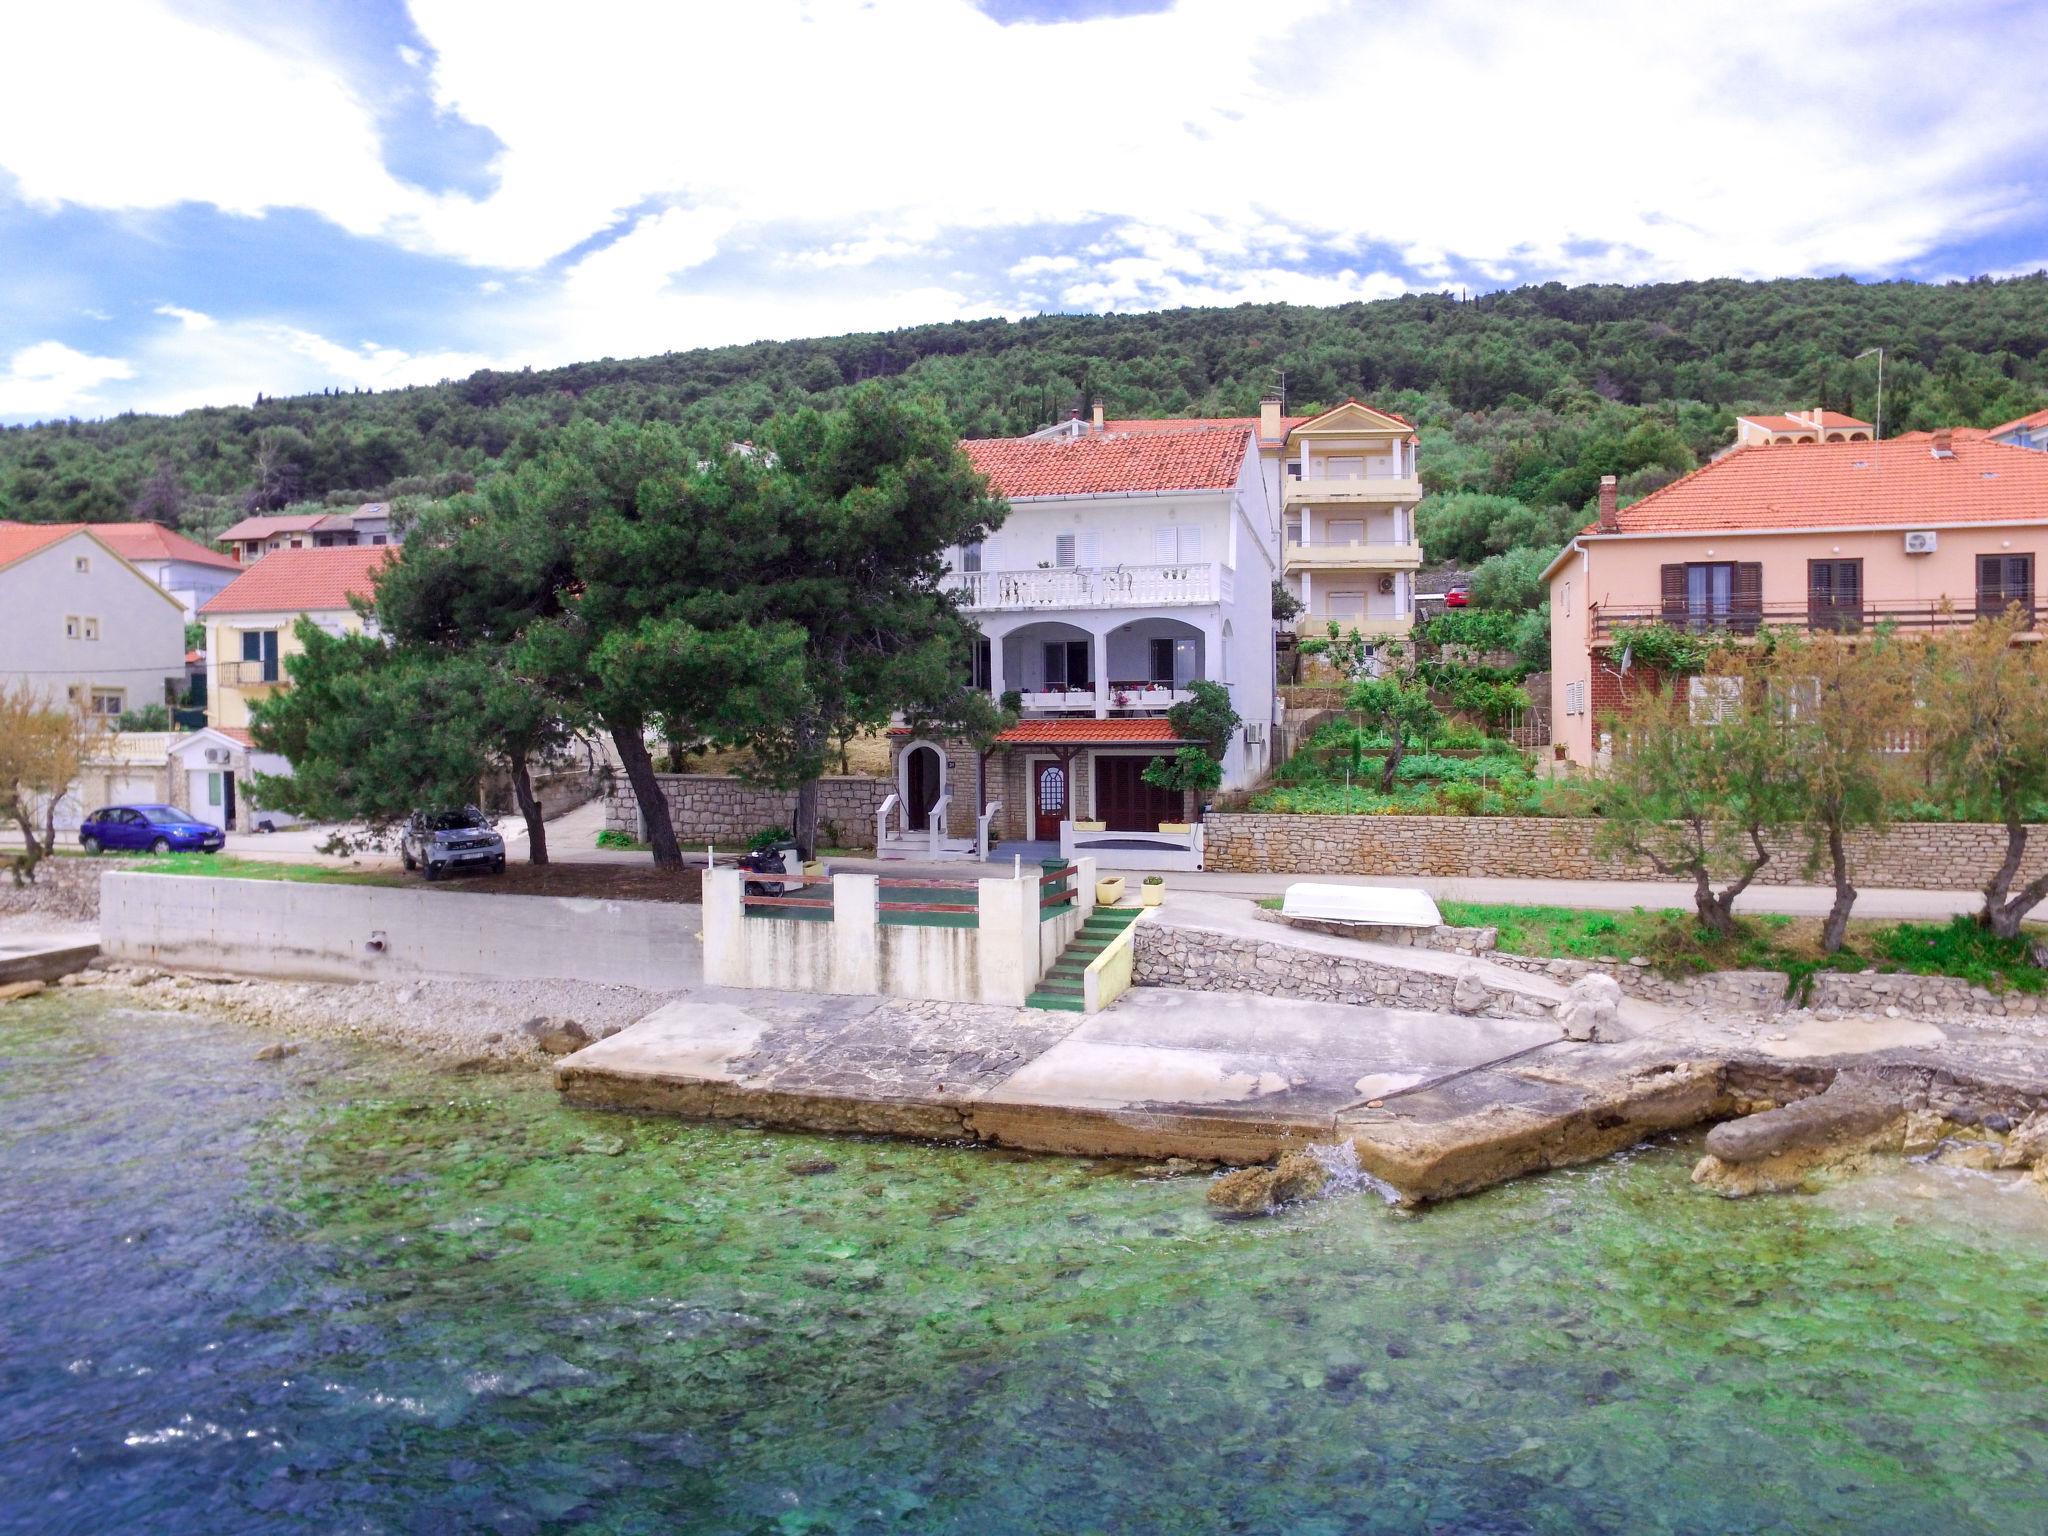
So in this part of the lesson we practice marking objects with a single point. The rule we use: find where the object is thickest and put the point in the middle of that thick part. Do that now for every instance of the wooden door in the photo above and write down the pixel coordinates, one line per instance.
(921, 780)
(1124, 802)
(2003, 580)
(1048, 801)
(1834, 594)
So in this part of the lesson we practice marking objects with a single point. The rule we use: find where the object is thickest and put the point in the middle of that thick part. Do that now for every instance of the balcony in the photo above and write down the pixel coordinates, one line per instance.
(1107, 586)
(1373, 626)
(1821, 617)
(1127, 697)
(1354, 555)
(251, 674)
(1368, 490)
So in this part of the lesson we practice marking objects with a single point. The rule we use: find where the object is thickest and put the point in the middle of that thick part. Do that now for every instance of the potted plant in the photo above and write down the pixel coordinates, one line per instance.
(1109, 890)
(1153, 891)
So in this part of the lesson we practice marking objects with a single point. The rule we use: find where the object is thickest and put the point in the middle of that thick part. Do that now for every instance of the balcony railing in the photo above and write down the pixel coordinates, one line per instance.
(1082, 698)
(1300, 490)
(1316, 626)
(1355, 554)
(251, 674)
(1820, 616)
(1084, 586)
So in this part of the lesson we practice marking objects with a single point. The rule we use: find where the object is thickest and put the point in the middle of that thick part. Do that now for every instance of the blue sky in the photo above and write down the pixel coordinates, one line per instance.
(204, 199)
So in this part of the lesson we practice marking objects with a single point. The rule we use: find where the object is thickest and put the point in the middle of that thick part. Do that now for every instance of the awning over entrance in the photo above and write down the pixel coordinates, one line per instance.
(1149, 732)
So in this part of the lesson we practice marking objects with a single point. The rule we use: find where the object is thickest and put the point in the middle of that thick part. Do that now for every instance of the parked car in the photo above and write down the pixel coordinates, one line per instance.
(437, 842)
(148, 829)
(1456, 598)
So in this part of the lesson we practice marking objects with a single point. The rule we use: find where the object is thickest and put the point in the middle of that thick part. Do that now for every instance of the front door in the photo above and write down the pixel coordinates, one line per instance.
(1048, 801)
(227, 797)
(921, 779)
(1124, 802)
(1834, 594)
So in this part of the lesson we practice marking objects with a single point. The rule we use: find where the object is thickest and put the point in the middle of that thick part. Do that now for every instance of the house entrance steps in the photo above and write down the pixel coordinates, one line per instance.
(1064, 986)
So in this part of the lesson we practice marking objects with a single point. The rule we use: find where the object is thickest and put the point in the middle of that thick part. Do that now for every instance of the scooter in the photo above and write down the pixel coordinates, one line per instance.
(766, 861)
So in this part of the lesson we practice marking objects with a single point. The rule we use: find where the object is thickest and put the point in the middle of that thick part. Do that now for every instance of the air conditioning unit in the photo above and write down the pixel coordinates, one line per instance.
(1386, 586)
(1254, 735)
(1920, 542)
(216, 754)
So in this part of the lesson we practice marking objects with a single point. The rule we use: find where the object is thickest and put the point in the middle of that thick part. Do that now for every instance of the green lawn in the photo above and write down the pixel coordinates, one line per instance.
(227, 867)
(1675, 944)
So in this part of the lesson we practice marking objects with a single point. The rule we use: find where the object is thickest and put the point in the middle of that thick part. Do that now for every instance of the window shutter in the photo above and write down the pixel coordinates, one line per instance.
(1063, 550)
(1674, 591)
(1091, 549)
(1165, 547)
(1190, 544)
(1747, 595)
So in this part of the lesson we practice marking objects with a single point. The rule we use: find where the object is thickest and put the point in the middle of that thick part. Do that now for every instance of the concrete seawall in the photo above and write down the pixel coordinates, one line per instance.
(283, 928)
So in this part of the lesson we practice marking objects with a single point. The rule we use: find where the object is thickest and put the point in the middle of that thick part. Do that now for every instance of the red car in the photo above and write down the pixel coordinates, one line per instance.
(1456, 598)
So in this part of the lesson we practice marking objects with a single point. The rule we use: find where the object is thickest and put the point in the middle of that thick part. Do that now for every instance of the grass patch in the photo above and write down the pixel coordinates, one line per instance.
(227, 867)
(1676, 945)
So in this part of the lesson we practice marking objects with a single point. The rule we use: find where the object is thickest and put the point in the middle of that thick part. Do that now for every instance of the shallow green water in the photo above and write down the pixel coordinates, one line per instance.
(341, 1293)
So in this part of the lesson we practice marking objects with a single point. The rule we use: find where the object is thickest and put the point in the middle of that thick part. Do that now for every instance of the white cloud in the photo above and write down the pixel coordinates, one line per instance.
(49, 380)
(228, 362)
(192, 319)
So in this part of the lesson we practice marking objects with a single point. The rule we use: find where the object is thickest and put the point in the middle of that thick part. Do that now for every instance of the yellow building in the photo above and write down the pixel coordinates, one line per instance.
(249, 623)
(1348, 490)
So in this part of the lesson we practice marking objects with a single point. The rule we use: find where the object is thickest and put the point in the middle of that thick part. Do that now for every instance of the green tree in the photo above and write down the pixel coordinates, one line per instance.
(1512, 581)
(1206, 721)
(1396, 703)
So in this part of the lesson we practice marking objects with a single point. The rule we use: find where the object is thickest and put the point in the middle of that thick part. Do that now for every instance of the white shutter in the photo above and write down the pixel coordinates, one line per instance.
(1190, 545)
(1164, 546)
(1091, 549)
(1063, 551)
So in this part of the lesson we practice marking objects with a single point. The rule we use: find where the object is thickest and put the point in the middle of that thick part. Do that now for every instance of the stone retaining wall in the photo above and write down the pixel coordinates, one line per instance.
(1213, 962)
(1940, 855)
(715, 808)
(1919, 995)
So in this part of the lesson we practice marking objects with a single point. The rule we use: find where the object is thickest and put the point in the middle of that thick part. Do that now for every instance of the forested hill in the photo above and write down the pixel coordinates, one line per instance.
(1529, 394)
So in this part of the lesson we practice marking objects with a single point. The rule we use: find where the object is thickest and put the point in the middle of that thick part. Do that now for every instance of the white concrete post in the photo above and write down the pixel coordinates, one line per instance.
(1006, 942)
(1100, 643)
(856, 941)
(725, 959)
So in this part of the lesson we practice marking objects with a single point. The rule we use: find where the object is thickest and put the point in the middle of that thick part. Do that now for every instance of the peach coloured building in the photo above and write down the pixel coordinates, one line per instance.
(1823, 536)
(1814, 426)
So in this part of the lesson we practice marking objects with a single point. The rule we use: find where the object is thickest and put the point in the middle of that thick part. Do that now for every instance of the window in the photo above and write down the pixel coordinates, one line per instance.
(1565, 597)
(1834, 594)
(376, 538)
(1575, 698)
(1069, 664)
(1712, 700)
(259, 655)
(1076, 549)
(1176, 544)
(981, 667)
(1797, 697)
(71, 626)
(1345, 466)
(1714, 594)
(89, 627)
(82, 564)
(213, 787)
(1162, 660)
(970, 557)
(1344, 605)
(1347, 530)
(109, 701)
(1294, 530)
(1063, 551)
(2002, 581)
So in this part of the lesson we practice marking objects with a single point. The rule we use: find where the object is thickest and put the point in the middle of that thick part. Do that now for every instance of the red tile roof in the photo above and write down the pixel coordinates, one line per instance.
(1956, 434)
(153, 541)
(20, 540)
(1377, 410)
(1195, 423)
(1849, 485)
(303, 580)
(1151, 731)
(1108, 463)
(264, 526)
(2037, 419)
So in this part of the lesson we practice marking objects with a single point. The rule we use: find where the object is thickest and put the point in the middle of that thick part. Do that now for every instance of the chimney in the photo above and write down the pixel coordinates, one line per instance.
(1097, 408)
(1610, 515)
(1944, 444)
(1269, 418)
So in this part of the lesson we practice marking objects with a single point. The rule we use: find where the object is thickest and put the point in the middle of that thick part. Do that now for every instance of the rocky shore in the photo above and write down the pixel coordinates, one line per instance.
(510, 1024)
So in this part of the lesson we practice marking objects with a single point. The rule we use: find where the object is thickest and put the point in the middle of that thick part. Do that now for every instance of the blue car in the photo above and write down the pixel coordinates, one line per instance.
(148, 829)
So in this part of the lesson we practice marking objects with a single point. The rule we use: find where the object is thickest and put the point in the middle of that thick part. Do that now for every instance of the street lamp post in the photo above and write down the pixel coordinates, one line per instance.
(1878, 353)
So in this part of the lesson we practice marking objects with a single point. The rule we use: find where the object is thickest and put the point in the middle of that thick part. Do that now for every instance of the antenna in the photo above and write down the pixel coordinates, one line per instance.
(1878, 353)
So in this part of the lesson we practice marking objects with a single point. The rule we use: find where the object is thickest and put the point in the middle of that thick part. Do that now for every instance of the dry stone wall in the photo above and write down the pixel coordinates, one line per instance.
(1940, 855)
(713, 808)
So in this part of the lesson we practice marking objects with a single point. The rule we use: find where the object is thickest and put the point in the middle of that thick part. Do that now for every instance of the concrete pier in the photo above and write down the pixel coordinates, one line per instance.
(35, 953)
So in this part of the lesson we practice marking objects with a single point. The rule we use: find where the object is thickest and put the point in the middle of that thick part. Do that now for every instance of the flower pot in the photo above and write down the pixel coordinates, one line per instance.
(1109, 891)
(1152, 895)
(1179, 828)
(1088, 826)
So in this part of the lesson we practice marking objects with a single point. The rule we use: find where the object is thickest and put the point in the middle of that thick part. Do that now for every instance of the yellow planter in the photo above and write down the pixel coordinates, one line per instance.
(1109, 891)
(1152, 895)
(1089, 826)
(1181, 828)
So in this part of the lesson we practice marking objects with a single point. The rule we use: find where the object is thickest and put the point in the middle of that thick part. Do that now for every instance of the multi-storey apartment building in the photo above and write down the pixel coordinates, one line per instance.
(1349, 484)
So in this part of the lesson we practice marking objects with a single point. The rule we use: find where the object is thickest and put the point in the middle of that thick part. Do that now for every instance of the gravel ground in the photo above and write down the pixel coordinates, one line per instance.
(65, 890)
(471, 1022)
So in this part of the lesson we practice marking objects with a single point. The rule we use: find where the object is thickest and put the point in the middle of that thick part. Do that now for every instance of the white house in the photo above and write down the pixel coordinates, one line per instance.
(183, 567)
(1132, 564)
(78, 622)
(2026, 432)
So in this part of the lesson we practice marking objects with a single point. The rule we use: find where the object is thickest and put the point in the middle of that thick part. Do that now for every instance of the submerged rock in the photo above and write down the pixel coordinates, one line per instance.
(809, 1167)
(15, 989)
(278, 1051)
(1262, 1190)
(557, 1037)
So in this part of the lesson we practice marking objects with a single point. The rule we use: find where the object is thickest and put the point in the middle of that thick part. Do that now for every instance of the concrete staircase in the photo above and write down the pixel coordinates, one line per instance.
(1061, 986)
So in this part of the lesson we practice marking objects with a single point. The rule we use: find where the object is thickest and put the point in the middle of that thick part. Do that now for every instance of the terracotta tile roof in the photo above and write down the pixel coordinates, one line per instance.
(1107, 463)
(153, 541)
(1195, 423)
(1151, 731)
(20, 540)
(302, 580)
(1849, 485)
(1956, 434)
(264, 526)
(1806, 422)
(2037, 419)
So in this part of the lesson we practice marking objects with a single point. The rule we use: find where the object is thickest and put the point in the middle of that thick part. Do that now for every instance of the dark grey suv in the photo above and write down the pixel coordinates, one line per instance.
(440, 842)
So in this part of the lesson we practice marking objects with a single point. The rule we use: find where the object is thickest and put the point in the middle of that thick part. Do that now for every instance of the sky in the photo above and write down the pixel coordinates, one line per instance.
(203, 200)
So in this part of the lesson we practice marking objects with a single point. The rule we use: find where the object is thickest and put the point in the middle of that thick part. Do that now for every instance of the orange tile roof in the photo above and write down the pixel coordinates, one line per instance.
(20, 540)
(303, 580)
(153, 541)
(1195, 423)
(1805, 423)
(1848, 485)
(2037, 419)
(264, 526)
(1104, 464)
(1956, 434)
(1151, 731)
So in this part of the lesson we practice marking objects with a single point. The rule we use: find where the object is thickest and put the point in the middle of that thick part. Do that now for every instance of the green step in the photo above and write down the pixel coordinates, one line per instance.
(1060, 1004)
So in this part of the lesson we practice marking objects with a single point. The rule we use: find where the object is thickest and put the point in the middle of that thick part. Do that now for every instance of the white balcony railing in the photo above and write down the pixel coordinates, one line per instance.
(1105, 586)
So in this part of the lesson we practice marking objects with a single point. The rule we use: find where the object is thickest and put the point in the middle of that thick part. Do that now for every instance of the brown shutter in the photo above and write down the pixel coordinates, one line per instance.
(1674, 591)
(1746, 596)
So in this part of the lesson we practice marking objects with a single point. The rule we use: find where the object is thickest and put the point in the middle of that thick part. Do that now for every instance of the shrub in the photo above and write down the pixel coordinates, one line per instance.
(611, 837)
(768, 837)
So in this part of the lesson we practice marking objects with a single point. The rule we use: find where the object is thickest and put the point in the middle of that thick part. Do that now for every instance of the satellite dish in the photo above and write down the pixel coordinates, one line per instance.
(1627, 655)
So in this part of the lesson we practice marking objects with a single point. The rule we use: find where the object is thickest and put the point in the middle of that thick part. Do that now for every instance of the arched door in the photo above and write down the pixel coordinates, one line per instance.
(1048, 801)
(922, 780)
